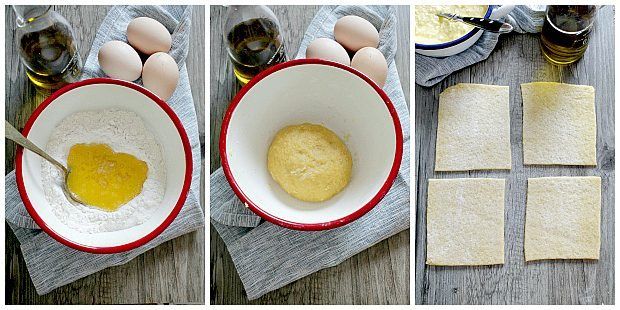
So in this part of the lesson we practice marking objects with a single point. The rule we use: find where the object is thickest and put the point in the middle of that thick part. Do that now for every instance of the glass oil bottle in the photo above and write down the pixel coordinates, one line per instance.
(47, 46)
(565, 33)
(254, 40)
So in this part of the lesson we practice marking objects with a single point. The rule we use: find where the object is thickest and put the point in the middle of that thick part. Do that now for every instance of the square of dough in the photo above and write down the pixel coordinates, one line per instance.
(473, 129)
(563, 218)
(465, 222)
(559, 124)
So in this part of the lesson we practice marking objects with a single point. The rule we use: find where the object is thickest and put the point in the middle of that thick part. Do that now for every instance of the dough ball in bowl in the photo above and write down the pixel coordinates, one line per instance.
(317, 92)
(309, 162)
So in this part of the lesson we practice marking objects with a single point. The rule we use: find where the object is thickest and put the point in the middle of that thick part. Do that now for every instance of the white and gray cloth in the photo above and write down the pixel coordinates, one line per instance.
(52, 264)
(268, 256)
(430, 70)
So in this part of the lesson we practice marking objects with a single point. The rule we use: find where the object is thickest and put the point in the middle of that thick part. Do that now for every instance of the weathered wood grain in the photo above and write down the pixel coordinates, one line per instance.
(379, 275)
(170, 273)
(517, 59)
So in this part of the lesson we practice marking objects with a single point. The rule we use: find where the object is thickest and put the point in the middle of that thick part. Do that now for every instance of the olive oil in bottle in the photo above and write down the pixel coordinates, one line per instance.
(253, 44)
(565, 33)
(46, 46)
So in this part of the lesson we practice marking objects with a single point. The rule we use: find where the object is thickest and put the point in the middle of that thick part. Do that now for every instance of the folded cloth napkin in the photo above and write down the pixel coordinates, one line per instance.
(267, 256)
(52, 264)
(430, 70)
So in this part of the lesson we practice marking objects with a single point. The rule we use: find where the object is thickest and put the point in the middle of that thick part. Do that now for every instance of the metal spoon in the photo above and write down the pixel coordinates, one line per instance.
(13, 134)
(478, 22)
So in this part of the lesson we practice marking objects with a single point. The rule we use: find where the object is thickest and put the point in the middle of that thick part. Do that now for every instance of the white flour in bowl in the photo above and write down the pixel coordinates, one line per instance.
(123, 131)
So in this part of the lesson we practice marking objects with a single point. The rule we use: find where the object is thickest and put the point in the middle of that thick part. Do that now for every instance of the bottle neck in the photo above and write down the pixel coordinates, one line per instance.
(29, 13)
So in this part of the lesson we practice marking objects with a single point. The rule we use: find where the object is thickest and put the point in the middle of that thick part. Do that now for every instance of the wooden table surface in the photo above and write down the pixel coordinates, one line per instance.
(517, 59)
(172, 272)
(378, 275)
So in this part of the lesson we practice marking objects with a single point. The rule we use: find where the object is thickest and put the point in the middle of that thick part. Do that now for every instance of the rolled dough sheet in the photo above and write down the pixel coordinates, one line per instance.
(465, 222)
(559, 124)
(473, 131)
(563, 218)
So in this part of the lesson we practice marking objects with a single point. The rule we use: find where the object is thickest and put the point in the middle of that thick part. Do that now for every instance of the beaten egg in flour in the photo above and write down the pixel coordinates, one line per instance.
(103, 178)
(101, 147)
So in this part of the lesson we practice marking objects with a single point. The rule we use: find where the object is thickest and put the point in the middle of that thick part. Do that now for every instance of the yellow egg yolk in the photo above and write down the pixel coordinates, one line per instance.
(103, 178)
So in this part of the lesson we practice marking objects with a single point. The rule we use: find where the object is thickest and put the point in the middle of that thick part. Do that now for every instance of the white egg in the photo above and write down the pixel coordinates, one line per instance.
(328, 49)
(354, 33)
(148, 36)
(120, 61)
(160, 75)
(372, 63)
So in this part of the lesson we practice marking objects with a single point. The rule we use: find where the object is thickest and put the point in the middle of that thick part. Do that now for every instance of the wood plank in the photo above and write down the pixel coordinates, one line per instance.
(517, 59)
(379, 275)
(170, 273)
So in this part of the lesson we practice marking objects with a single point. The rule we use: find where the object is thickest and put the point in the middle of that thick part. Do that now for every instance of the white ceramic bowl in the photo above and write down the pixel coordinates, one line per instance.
(458, 45)
(96, 94)
(321, 92)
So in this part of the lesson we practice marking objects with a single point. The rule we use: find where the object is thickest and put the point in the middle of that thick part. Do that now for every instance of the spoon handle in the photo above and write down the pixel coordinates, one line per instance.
(488, 24)
(479, 22)
(14, 135)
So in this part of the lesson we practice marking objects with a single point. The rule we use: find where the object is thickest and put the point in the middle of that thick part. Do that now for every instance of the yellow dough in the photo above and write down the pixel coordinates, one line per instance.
(559, 124)
(473, 130)
(563, 218)
(309, 162)
(465, 222)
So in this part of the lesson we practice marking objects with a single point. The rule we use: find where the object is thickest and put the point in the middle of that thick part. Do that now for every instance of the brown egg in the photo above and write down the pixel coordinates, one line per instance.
(328, 49)
(354, 33)
(160, 75)
(372, 63)
(148, 36)
(120, 61)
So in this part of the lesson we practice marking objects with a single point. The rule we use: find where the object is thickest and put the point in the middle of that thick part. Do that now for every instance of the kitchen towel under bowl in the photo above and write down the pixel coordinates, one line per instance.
(268, 256)
(50, 263)
(431, 70)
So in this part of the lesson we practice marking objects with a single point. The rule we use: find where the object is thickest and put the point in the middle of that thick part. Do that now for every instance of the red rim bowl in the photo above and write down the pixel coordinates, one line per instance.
(117, 248)
(386, 185)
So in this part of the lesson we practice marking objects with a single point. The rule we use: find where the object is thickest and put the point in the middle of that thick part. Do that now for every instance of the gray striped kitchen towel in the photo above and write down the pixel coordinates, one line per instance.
(430, 70)
(52, 264)
(268, 256)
